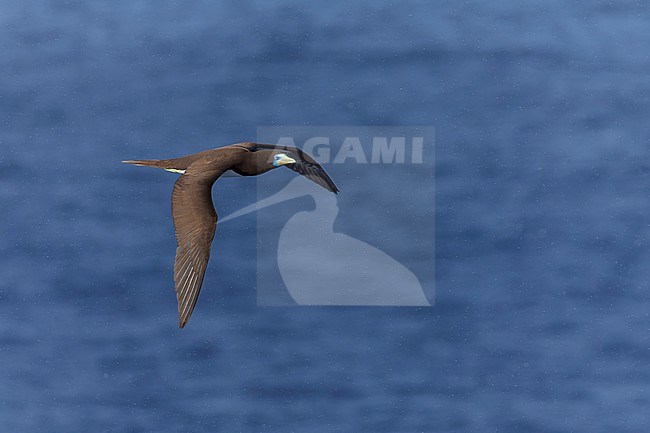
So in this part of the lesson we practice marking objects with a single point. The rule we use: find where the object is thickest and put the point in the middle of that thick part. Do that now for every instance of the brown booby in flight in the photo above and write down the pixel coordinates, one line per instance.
(193, 212)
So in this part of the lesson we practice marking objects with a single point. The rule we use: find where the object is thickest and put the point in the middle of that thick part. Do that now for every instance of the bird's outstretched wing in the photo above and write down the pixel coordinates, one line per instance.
(305, 164)
(194, 223)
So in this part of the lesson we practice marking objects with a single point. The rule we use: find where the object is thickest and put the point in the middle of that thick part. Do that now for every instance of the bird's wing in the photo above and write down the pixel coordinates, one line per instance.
(194, 223)
(305, 165)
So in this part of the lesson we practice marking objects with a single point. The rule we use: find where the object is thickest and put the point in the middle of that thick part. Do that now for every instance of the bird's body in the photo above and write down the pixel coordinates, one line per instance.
(193, 211)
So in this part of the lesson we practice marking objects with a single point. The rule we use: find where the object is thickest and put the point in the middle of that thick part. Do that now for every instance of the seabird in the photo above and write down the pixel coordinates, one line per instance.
(193, 211)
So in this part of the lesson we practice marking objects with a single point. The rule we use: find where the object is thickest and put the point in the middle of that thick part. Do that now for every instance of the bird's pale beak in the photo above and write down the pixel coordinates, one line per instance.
(284, 160)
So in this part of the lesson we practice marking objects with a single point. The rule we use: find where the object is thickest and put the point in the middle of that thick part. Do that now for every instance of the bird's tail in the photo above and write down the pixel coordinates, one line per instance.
(172, 165)
(146, 162)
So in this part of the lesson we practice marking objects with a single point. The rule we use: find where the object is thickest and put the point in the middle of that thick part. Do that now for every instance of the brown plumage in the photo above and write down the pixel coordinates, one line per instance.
(193, 212)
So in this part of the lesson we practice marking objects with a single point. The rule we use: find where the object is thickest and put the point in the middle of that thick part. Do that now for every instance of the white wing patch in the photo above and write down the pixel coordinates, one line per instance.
(229, 173)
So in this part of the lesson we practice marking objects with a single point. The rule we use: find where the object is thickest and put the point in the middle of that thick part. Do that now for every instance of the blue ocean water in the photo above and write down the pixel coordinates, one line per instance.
(540, 321)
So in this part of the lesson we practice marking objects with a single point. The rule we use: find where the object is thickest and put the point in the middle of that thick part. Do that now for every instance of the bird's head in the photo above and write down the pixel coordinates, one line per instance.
(282, 159)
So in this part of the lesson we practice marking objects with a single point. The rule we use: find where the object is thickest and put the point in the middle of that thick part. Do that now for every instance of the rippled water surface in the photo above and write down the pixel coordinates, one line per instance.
(540, 321)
